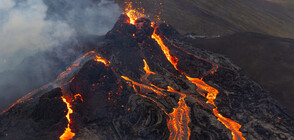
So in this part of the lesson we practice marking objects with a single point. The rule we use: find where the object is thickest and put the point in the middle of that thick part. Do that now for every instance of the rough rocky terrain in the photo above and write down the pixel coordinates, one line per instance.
(119, 101)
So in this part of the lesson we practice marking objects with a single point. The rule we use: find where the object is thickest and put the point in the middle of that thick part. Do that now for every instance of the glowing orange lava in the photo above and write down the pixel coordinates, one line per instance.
(67, 134)
(99, 59)
(152, 24)
(230, 124)
(79, 97)
(171, 59)
(90, 52)
(143, 86)
(133, 14)
(147, 70)
(179, 120)
(212, 92)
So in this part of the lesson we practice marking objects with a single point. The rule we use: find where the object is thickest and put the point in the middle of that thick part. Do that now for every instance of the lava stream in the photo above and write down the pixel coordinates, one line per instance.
(148, 72)
(212, 92)
(230, 124)
(100, 59)
(171, 59)
(143, 86)
(67, 134)
(179, 120)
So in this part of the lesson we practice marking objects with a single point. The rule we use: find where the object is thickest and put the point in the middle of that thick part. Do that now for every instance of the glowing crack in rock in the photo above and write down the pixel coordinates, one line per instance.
(67, 134)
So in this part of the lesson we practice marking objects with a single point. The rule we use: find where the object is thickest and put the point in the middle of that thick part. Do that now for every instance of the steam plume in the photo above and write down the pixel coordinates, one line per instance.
(38, 38)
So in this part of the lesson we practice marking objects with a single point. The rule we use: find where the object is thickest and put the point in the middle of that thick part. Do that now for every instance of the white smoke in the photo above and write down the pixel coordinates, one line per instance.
(25, 27)
(28, 28)
(89, 18)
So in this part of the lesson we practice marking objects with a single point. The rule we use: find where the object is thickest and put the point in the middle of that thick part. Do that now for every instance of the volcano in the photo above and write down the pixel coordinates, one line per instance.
(142, 83)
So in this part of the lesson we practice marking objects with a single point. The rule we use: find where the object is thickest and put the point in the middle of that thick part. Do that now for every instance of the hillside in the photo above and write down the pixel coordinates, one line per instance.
(220, 17)
(266, 59)
(140, 86)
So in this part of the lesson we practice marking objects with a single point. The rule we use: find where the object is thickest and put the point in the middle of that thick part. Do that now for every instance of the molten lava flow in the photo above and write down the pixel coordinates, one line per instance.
(152, 24)
(99, 59)
(171, 59)
(147, 70)
(230, 124)
(79, 97)
(212, 92)
(143, 86)
(90, 52)
(67, 134)
(179, 120)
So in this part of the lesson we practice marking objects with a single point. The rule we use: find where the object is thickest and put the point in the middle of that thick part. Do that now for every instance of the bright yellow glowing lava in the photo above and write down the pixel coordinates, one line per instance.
(100, 59)
(148, 72)
(68, 134)
(133, 14)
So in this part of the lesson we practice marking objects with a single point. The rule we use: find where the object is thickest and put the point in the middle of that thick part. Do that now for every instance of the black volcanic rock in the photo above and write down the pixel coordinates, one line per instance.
(32, 119)
(144, 29)
(266, 59)
(122, 28)
(113, 107)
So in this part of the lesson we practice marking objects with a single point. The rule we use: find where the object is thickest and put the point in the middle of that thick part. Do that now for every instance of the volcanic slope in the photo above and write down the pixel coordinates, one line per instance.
(138, 85)
(266, 59)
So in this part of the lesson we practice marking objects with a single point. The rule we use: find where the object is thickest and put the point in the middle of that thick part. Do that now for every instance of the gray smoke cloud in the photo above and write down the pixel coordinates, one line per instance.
(38, 38)
(23, 28)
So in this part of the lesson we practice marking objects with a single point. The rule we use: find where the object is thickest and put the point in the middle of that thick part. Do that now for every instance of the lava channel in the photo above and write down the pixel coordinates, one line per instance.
(179, 118)
(67, 134)
(212, 92)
